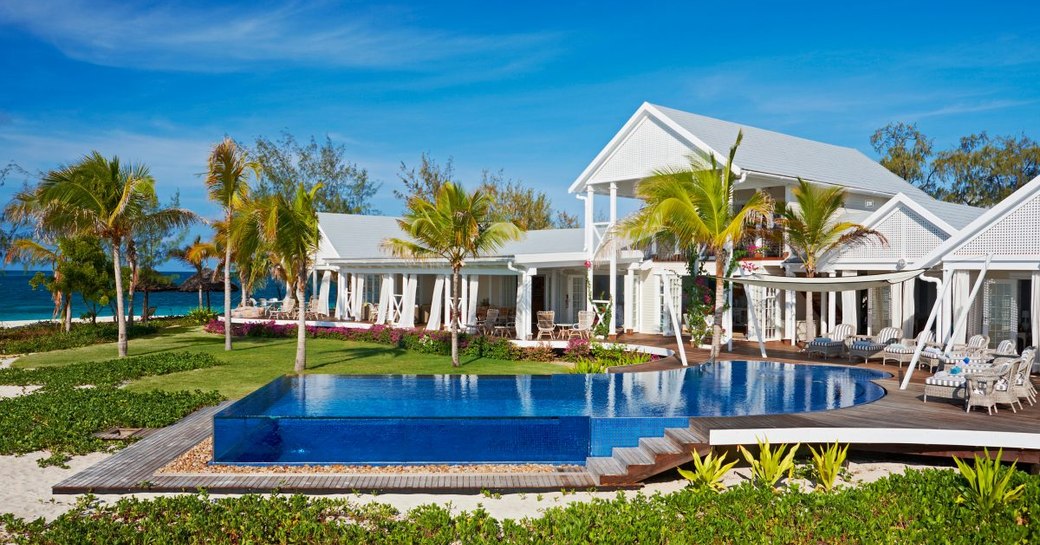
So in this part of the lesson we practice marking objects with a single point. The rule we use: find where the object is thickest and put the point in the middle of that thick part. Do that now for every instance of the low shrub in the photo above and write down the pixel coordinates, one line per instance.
(988, 485)
(108, 373)
(917, 507)
(538, 352)
(200, 316)
(64, 420)
(708, 473)
(47, 336)
(771, 464)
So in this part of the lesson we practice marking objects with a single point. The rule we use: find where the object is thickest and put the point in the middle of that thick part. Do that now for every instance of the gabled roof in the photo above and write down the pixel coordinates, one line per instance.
(1022, 198)
(355, 236)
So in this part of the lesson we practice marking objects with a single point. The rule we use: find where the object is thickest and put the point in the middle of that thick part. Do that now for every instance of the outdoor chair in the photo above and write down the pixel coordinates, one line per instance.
(831, 345)
(285, 312)
(583, 328)
(1022, 383)
(1006, 349)
(487, 327)
(903, 351)
(1002, 390)
(974, 348)
(980, 390)
(866, 347)
(317, 310)
(546, 324)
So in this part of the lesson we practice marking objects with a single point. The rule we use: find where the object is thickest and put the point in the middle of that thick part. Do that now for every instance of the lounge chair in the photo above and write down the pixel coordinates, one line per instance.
(832, 344)
(583, 328)
(903, 351)
(1006, 349)
(981, 388)
(974, 348)
(866, 347)
(315, 310)
(546, 324)
(286, 310)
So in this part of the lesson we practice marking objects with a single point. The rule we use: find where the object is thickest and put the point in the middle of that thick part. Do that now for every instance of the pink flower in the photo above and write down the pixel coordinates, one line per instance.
(588, 264)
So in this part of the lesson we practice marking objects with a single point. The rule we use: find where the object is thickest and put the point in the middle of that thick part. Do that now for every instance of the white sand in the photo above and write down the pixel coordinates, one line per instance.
(26, 490)
(6, 362)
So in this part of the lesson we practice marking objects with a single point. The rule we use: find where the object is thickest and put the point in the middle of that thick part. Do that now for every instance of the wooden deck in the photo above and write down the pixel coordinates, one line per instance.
(899, 422)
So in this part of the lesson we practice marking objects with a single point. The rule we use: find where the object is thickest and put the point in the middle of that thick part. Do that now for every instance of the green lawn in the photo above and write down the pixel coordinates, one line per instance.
(255, 362)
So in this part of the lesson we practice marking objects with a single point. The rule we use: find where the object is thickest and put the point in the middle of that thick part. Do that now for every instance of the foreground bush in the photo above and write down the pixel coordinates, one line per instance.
(918, 507)
(45, 336)
(111, 372)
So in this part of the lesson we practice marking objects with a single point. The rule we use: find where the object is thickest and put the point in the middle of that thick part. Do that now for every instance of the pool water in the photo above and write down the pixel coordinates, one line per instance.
(413, 419)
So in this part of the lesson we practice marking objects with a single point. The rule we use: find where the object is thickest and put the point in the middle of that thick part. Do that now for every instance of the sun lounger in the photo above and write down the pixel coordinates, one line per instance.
(866, 347)
(831, 345)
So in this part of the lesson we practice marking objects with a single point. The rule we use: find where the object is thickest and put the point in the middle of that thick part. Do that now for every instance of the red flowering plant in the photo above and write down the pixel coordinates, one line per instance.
(700, 305)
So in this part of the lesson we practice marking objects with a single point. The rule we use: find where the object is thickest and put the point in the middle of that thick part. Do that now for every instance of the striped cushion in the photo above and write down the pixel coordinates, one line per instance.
(976, 367)
(824, 342)
(945, 380)
(867, 345)
(899, 349)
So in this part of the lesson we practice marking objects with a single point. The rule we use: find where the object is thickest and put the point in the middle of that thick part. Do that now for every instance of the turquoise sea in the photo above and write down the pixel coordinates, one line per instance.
(21, 302)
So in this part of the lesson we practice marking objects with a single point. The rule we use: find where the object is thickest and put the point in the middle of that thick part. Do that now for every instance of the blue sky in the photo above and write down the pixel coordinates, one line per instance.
(533, 88)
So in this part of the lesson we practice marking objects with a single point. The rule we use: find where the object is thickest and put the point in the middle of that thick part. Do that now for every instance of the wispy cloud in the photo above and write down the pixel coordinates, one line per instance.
(212, 38)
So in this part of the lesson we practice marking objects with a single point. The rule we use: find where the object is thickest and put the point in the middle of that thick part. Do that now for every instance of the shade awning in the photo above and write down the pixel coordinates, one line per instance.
(827, 284)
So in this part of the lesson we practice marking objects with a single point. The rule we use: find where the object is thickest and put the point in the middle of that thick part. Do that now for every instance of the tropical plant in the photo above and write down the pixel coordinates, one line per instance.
(31, 253)
(987, 485)
(708, 473)
(227, 181)
(694, 206)
(772, 463)
(454, 226)
(814, 228)
(103, 198)
(289, 228)
(196, 254)
(827, 464)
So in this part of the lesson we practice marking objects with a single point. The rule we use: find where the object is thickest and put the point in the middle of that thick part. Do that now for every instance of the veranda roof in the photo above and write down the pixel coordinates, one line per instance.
(827, 284)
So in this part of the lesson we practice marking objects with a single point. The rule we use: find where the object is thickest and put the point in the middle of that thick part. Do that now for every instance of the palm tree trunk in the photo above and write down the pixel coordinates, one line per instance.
(67, 313)
(200, 296)
(120, 320)
(810, 318)
(144, 305)
(227, 285)
(456, 283)
(132, 261)
(301, 326)
(720, 293)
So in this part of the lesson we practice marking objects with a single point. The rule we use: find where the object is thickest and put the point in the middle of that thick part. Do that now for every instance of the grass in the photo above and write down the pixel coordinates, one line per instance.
(256, 361)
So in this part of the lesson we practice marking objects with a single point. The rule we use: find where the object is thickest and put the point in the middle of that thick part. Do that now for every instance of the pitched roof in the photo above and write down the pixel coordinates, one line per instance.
(355, 236)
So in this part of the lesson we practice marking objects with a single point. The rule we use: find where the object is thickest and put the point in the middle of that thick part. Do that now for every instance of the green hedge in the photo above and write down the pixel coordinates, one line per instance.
(918, 507)
(45, 336)
(110, 372)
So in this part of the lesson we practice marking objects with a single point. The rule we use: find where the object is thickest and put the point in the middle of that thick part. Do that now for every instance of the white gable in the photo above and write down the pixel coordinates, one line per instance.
(649, 147)
(1015, 234)
(910, 236)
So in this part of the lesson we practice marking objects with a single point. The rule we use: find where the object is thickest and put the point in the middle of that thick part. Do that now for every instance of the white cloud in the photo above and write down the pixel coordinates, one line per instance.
(217, 39)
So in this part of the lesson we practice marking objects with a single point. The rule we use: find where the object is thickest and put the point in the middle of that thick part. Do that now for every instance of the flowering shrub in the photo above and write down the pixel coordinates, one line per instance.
(577, 349)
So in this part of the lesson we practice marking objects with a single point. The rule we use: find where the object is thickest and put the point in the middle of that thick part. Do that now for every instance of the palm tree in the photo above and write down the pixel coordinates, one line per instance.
(228, 184)
(289, 228)
(195, 255)
(251, 256)
(31, 252)
(104, 198)
(814, 228)
(455, 226)
(694, 206)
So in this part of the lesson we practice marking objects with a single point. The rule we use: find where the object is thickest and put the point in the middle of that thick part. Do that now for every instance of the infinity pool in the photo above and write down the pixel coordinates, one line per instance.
(562, 419)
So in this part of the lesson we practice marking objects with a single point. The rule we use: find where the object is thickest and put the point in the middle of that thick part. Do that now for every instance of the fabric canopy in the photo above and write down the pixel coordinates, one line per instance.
(829, 283)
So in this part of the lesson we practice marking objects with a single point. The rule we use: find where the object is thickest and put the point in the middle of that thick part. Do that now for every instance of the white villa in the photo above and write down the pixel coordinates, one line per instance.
(555, 269)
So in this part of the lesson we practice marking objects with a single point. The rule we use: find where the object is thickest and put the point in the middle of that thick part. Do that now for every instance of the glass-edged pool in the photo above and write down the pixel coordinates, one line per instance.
(561, 419)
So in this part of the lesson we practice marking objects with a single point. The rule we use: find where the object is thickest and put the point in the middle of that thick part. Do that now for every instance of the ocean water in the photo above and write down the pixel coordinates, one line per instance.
(21, 302)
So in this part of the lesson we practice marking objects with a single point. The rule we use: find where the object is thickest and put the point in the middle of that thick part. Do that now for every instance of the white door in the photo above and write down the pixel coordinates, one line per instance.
(670, 286)
(764, 302)
(1000, 311)
(879, 309)
(576, 297)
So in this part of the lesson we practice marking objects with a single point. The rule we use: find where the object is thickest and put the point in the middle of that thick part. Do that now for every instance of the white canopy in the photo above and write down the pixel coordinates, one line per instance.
(827, 284)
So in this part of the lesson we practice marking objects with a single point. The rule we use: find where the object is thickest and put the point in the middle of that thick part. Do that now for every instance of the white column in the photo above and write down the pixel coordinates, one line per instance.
(471, 309)
(523, 305)
(961, 283)
(434, 322)
(790, 308)
(850, 304)
(832, 307)
(358, 289)
(1034, 309)
(629, 295)
(612, 327)
(323, 294)
(341, 295)
(908, 309)
(590, 243)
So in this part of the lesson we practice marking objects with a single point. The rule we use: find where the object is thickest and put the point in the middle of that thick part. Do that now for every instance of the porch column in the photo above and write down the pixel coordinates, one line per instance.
(790, 306)
(357, 288)
(523, 305)
(448, 309)
(629, 294)
(612, 327)
(342, 294)
(434, 323)
(895, 305)
(908, 309)
(961, 301)
(590, 243)
(473, 299)
(945, 317)
(850, 305)
(1034, 309)
(832, 308)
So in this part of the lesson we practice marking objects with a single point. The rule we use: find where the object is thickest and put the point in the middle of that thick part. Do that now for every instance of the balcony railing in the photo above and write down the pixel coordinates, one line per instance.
(760, 244)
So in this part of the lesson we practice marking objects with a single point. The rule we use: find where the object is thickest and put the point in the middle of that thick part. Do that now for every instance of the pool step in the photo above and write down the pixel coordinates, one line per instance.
(630, 465)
